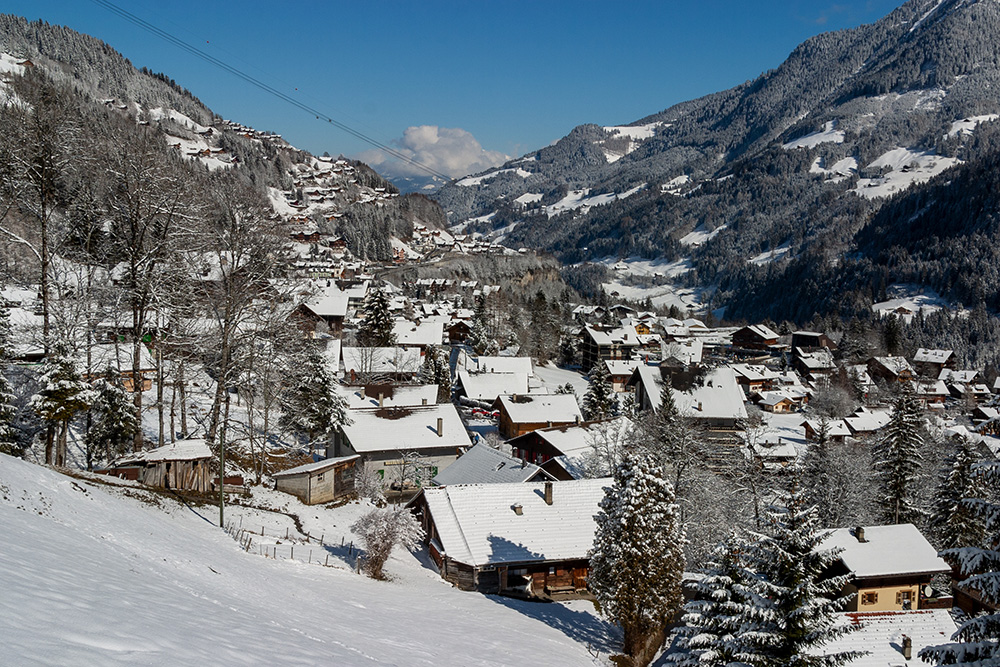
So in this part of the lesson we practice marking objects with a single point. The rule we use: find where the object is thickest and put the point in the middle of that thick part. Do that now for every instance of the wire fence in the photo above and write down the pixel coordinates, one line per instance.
(295, 545)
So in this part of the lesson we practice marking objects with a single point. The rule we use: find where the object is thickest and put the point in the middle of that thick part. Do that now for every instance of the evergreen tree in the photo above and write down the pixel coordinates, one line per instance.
(897, 462)
(600, 402)
(435, 370)
(671, 440)
(479, 337)
(716, 616)
(817, 475)
(114, 424)
(376, 328)
(310, 405)
(8, 436)
(62, 396)
(637, 560)
(977, 641)
(955, 522)
(796, 604)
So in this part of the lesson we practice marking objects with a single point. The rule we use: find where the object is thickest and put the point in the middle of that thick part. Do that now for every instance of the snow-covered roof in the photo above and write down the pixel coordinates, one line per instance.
(316, 466)
(887, 551)
(485, 364)
(836, 428)
(895, 364)
(923, 356)
(621, 366)
(754, 372)
(762, 331)
(821, 359)
(182, 450)
(329, 305)
(577, 442)
(621, 336)
(720, 397)
(484, 465)
(426, 332)
(487, 386)
(381, 359)
(881, 635)
(865, 420)
(959, 377)
(404, 396)
(476, 523)
(405, 429)
(537, 409)
(687, 351)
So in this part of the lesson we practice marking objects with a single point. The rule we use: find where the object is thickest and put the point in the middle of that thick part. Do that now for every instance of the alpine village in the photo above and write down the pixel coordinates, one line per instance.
(720, 386)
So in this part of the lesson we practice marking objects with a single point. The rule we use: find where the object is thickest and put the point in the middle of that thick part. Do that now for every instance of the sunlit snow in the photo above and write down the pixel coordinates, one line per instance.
(826, 135)
(905, 166)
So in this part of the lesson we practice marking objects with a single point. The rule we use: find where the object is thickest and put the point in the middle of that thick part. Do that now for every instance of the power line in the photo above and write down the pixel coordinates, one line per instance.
(176, 41)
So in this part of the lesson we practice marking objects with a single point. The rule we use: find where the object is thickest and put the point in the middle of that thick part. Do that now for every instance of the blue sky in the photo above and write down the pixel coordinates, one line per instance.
(501, 78)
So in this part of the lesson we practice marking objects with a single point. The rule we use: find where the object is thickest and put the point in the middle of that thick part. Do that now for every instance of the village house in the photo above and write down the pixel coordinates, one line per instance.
(866, 422)
(813, 364)
(369, 365)
(836, 430)
(523, 539)
(811, 340)
(570, 452)
(184, 465)
(323, 315)
(521, 413)
(715, 401)
(388, 395)
(319, 482)
(755, 337)
(395, 441)
(755, 378)
(484, 465)
(620, 372)
(599, 344)
(930, 363)
(419, 335)
(487, 387)
(890, 369)
(890, 567)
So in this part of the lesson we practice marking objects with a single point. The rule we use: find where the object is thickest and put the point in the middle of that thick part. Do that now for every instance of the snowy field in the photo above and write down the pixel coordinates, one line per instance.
(662, 296)
(700, 235)
(827, 135)
(92, 576)
(634, 266)
(906, 166)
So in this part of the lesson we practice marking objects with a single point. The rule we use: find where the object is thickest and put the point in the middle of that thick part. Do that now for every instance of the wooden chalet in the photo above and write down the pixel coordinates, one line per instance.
(321, 481)
(522, 413)
(755, 337)
(811, 340)
(890, 567)
(930, 363)
(600, 344)
(890, 369)
(566, 452)
(119, 357)
(520, 539)
(182, 466)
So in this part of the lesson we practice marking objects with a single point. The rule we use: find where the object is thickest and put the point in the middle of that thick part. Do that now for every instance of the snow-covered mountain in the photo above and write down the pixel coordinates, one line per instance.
(793, 162)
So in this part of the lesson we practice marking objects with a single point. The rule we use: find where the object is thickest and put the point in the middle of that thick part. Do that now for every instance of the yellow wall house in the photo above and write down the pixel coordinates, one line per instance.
(890, 566)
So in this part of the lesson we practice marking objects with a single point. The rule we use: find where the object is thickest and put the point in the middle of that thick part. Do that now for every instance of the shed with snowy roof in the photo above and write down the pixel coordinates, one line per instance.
(523, 539)
(183, 466)
(484, 465)
(890, 567)
(319, 482)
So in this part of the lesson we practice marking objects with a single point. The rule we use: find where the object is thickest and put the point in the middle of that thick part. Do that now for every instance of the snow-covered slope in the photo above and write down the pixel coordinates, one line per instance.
(92, 576)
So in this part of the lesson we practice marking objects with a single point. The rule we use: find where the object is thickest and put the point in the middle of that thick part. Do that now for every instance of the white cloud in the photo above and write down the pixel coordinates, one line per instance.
(449, 150)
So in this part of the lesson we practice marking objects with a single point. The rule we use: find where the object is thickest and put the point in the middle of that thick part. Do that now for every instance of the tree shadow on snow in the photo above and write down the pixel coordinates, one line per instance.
(580, 626)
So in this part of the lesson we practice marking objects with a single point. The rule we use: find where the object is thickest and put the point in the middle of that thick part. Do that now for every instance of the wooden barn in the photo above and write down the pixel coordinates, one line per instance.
(522, 539)
(183, 466)
(319, 482)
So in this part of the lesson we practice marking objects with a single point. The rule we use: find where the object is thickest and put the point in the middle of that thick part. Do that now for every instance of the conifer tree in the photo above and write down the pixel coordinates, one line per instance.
(310, 406)
(716, 616)
(796, 603)
(977, 641)
(376, 328)
(479, 337)
(8, 437)
(671, 440)
(63, 395)
(954, 521)
(817, 477)
(897, 462)
(600, 402)
(435, 370)
(114, 423)
(637, 559)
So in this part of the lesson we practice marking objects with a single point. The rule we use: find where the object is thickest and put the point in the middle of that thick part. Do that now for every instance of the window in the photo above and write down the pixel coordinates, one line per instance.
(904, 597)
(869, 598)
(319, 477)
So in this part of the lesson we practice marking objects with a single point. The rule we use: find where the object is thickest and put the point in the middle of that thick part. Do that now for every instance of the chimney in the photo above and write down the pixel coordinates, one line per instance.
(363, 395)
(859, 533)
(381, 400)
(907, 647)
(700, 409)
(576, 419)
(440, 427)
(518, 510)
(548, 493)
(423, 401)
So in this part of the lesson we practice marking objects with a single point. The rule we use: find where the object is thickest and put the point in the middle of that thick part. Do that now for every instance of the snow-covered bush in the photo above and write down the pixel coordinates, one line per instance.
(382, 529)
